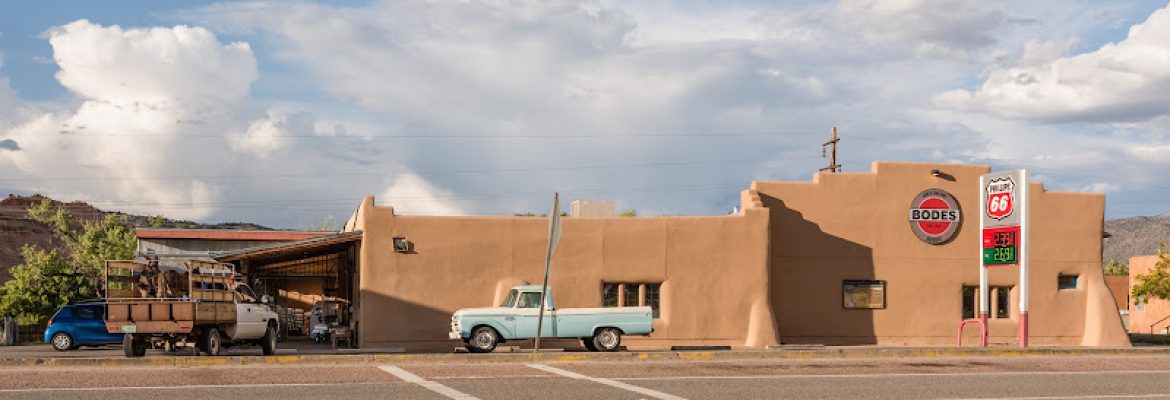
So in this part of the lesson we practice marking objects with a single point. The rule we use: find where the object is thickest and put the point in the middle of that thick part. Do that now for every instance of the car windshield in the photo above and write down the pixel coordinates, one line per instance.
(511, 300)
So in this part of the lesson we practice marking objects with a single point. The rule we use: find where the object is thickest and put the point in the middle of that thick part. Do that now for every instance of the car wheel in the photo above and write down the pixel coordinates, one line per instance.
(607, 339)
(61, 341)
(213, 346)
(483, 340)
(588, 343)
(133, 346)
(268, 343)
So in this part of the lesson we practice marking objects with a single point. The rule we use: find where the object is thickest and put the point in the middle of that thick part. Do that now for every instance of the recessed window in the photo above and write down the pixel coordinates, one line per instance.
(1003, 301)
(969, 301)
(609, 295)
(653, 291)
(632, 295)
(1066, 281)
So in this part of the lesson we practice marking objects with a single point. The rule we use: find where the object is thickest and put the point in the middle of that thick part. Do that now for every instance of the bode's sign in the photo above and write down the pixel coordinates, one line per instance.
(935, 216)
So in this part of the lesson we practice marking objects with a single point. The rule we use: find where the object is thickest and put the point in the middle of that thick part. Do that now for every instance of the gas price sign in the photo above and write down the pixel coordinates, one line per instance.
(1001, 246)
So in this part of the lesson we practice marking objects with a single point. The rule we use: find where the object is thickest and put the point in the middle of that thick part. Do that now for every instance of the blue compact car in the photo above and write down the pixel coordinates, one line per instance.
(77, 325)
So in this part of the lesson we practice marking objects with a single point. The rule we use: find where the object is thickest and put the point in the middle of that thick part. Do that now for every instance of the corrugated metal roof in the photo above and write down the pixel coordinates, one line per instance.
(216, 234)
(291, 249)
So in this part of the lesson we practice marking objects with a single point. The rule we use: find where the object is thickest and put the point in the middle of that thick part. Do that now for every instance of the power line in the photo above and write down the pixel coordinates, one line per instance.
(423, 172)
(427, 136)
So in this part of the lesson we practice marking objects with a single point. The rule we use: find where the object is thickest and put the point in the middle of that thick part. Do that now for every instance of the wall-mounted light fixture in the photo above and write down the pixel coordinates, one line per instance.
(401, 245)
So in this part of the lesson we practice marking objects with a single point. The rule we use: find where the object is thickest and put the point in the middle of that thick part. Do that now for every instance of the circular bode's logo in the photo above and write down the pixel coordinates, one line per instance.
(935, 216)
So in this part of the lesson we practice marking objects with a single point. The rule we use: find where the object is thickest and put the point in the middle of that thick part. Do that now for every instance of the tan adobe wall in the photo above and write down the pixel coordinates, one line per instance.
(1147, 318)
(1119, 287)
(713, 272)
(855, 226)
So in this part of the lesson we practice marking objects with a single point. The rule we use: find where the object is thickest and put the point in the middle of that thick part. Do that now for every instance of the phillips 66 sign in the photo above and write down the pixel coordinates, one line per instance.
(1001, 197)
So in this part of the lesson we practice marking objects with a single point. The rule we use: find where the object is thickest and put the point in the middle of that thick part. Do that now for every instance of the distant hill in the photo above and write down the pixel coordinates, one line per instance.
(17, 229)
(1137, 236)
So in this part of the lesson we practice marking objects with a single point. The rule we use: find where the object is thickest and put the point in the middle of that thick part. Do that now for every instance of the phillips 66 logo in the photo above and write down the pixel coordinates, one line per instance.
(999, 197)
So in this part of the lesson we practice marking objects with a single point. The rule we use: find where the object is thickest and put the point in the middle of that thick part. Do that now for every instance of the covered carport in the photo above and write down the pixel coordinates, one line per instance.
(298, 275)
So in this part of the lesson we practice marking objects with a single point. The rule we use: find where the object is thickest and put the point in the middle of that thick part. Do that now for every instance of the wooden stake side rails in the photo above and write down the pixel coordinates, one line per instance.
(206, 298)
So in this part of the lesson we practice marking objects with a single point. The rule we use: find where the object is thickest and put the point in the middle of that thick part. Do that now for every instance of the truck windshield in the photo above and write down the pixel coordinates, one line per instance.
(510, 300)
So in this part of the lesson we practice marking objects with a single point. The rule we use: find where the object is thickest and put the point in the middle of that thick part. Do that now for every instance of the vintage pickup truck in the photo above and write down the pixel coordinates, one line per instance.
(599, 329)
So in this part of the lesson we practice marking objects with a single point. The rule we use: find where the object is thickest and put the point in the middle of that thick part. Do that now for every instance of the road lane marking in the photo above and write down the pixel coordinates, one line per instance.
(1098, 396)
(432, 386)
(184, 387)
(608, 382)
(892, 375)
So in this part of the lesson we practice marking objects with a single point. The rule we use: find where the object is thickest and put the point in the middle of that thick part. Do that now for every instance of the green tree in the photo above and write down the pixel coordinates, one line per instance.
(629, 213)
(44, 282)
(1155, 283)
(47, 280)
(156, 221)
(1115, 267)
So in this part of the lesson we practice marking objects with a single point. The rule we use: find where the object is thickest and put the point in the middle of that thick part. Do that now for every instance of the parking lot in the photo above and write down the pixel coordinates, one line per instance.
(482, 377)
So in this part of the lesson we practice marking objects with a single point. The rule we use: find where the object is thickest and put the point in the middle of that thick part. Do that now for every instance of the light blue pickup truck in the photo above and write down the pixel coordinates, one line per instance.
(600, 329)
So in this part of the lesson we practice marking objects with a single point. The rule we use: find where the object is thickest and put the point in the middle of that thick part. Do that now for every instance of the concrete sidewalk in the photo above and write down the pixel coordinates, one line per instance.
(12, 359)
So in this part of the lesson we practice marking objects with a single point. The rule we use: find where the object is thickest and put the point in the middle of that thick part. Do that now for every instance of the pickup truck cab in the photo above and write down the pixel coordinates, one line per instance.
(599, 329)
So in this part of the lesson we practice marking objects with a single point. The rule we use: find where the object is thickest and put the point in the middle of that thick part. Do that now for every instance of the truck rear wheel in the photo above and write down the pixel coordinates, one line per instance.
(133, 346)
(268, 342)
(483, 340)
(588, 343)
(607, 339)
(212, 344)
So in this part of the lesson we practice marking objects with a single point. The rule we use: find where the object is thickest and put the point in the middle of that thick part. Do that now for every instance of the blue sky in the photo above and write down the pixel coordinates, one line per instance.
(287, 113)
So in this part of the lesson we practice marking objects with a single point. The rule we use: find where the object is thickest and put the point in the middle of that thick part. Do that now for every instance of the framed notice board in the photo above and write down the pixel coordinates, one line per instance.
(864, 294)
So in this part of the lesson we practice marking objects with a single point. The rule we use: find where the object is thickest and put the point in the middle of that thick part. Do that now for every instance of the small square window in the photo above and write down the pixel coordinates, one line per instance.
(1066, 281)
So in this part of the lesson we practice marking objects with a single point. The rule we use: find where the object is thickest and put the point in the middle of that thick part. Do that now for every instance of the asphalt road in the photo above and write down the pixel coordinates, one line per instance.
(1030, 377)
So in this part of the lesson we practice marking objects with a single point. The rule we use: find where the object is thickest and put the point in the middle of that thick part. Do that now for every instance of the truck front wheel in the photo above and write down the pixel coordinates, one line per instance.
(212, 344)
(607, 339)
(483, 340)
(268, 343)
(133, 346)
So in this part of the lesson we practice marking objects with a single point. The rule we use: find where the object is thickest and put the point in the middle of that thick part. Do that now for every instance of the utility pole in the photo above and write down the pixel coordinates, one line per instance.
(832, 145)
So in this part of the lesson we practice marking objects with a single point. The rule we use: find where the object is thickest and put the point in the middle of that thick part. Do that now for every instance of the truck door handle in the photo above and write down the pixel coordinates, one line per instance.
(509, 318)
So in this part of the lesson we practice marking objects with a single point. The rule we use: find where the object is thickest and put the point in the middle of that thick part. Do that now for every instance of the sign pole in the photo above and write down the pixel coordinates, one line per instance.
(1024, 211)
(554, 235)
(984, 294)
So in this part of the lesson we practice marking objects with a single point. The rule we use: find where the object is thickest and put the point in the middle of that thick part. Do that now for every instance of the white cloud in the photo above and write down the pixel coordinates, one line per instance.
(263, 136)
(140, 91)
(411, 194)
(1124, 81)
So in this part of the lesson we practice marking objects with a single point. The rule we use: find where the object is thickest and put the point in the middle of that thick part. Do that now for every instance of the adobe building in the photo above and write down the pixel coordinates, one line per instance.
(1153, 315)
(834, 261)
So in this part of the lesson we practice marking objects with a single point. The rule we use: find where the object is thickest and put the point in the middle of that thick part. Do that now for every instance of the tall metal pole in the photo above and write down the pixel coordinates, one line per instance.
(984, 293)
(1023, 339)
(554, 235)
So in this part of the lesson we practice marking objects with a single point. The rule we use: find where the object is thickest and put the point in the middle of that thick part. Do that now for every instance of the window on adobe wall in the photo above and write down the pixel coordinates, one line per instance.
(1003, 301)
(970, 301)
(635, 294)
(609, 294)
(1066, 281)
(632, 295)
(653, 296)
